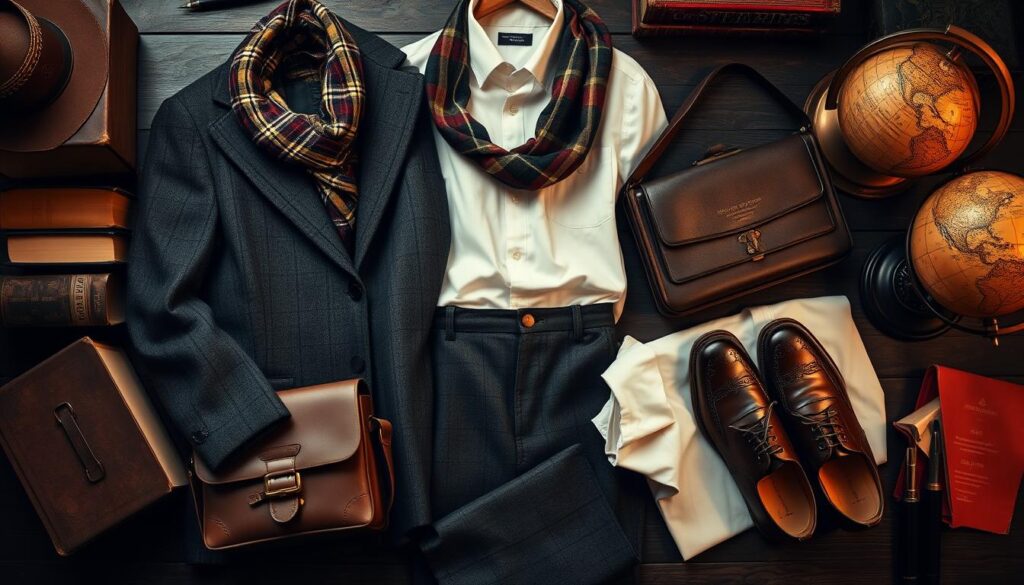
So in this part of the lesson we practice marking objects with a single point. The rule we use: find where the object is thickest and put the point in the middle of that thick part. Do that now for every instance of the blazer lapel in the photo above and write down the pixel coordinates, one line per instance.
(388, 123)
(394, 99)
(289, 189)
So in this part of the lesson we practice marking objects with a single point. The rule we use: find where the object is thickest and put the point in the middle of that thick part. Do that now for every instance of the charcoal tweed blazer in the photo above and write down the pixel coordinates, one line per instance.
(239, 284)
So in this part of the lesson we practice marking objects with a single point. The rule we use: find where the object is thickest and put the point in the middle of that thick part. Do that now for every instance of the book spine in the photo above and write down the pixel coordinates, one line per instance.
(54, 300)
(642, 30)
(710, 18)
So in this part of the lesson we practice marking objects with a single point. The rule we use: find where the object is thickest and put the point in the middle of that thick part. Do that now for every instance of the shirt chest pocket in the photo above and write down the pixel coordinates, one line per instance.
(586, 198)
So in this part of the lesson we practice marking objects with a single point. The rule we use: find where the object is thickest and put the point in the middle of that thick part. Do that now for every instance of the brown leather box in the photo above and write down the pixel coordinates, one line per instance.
(85, 442)
(105, 143)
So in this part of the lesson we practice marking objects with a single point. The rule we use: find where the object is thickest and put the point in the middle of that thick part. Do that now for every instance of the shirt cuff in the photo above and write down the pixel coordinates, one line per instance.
(639, 391)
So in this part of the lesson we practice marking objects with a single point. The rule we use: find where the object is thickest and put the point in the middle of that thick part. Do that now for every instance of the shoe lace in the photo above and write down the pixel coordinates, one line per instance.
(760, 434)
(826, 424)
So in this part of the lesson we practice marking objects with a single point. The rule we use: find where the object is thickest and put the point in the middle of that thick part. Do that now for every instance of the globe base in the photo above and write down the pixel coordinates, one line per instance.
(890, 299)
(849, 174)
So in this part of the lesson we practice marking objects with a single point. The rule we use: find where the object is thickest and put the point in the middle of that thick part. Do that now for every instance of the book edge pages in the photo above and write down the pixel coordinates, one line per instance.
(141, 409)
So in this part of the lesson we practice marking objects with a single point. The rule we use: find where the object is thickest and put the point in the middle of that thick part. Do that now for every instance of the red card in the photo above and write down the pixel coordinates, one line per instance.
(984, 443)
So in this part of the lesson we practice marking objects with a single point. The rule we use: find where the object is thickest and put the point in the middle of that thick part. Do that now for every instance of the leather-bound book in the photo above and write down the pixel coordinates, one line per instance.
(61, 300)
(85, 442)
(63, 208)
(67, 247)
(733, 17)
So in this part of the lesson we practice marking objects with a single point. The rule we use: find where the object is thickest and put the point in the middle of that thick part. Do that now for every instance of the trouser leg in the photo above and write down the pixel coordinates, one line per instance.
(522, 489)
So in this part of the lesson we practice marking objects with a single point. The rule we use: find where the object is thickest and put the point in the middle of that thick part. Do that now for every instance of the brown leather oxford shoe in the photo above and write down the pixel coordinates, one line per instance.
(816, 409)
(735, 414)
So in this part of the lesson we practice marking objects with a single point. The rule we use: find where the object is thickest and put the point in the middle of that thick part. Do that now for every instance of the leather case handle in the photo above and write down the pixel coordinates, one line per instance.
(666, 138)
(68, 420)
(958, 37)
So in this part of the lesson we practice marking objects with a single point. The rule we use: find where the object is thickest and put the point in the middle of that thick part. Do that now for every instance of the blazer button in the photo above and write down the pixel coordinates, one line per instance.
(355, 290)
(358, 364)
(199, 436)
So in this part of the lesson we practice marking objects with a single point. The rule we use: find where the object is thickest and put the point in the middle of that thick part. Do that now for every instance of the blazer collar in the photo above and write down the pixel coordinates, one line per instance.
(393, 103)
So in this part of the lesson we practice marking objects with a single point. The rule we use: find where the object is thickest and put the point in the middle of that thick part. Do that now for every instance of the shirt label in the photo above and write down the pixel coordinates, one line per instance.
(516, 39)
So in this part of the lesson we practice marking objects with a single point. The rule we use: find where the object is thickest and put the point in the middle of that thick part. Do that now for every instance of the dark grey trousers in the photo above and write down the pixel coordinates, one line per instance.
(521, 489)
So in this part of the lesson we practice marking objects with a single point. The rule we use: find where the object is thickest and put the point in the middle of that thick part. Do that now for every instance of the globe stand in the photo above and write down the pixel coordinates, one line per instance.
(849, 174)
(892, 301)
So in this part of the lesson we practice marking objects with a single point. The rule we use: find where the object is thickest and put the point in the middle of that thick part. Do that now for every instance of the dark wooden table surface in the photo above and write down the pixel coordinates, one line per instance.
(177, 47)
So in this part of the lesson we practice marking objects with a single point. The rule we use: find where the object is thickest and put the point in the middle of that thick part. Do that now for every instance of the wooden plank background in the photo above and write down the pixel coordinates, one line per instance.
(177, 47)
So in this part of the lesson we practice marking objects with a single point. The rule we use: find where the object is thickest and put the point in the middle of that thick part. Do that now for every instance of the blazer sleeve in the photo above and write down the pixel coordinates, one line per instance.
(213, 392)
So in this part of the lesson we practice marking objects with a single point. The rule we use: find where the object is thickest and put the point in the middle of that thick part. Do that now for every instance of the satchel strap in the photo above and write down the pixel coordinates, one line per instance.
(383, 437)
(666, 138)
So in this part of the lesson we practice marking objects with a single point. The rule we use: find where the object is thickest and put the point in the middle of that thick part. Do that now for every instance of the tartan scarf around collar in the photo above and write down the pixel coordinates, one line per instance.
(302, 39)
(566, 127)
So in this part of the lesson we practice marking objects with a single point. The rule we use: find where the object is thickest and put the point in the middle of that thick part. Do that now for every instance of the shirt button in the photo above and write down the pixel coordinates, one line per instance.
(513, 110)
(355, 290)
(515, 199)
(528, 321)
(517, 255)
(358, 364)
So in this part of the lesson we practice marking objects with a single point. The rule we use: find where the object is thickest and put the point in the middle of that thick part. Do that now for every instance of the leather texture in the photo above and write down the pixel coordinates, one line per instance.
(802, 377)
(77, 446)
(735, 414)
(738, 220)
(318, 472)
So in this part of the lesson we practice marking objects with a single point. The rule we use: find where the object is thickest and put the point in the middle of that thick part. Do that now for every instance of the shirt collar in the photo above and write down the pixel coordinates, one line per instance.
(484, 57)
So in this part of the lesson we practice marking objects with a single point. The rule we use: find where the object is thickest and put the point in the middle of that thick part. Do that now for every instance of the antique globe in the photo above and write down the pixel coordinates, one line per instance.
(962, 259)
(904, 106)
(909, 111)
(967, 244)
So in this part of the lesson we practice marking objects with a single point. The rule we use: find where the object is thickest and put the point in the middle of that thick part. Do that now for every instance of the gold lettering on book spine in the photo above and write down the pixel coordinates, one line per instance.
(80, 298)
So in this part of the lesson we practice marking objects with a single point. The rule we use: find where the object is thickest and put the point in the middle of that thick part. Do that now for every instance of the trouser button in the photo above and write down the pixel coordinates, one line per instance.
(528, 320)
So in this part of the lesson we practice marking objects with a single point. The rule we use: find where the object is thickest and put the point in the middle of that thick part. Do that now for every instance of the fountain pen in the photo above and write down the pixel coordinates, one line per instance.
(931, 498)
(910, 533)
(204, 5)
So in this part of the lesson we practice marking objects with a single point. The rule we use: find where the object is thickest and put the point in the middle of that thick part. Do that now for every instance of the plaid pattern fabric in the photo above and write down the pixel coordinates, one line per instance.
(566, 127)
(302, 39)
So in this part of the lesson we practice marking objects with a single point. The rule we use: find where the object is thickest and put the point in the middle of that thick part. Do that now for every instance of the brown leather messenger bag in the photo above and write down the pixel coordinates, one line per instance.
(317, 472)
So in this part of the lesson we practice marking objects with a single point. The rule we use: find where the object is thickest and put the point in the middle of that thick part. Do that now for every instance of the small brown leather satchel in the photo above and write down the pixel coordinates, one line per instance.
(738, 220)
(315, 473)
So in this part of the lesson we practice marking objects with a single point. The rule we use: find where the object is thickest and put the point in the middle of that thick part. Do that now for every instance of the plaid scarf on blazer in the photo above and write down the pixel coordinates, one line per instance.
(566, 127)
(302, 39)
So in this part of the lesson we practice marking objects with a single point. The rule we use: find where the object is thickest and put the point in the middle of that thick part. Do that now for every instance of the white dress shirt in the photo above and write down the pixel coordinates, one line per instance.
(649, 427)
(557, 246)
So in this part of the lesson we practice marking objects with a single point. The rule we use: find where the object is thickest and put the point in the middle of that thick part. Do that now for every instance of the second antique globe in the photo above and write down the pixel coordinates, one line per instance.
(967, 244)
(909, 111)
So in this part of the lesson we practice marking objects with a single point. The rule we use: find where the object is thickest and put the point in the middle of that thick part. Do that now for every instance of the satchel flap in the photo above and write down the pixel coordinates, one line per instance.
(325, 427)
(734, 192)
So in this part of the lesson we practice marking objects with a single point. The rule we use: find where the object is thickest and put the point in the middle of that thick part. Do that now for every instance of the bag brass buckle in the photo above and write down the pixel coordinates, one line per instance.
(282, 491)
(752, 240)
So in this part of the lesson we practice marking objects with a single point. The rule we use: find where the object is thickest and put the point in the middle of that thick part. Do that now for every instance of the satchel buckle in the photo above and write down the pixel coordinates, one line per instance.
(752, 239)
(281, 491)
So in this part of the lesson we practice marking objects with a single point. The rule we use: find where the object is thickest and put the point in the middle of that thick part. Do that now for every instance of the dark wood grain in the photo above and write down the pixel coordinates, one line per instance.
(410, 16)
(152, 548)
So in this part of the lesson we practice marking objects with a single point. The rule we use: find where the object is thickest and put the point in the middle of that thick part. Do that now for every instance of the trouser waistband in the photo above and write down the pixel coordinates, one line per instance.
(576, 318)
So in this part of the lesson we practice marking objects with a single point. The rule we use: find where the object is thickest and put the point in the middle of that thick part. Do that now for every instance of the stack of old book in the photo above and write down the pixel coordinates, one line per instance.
(733, 17)
(67, 244)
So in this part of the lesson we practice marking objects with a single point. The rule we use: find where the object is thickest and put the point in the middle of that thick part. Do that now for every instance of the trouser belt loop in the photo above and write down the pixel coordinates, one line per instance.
(449, 323)
(577, 322)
